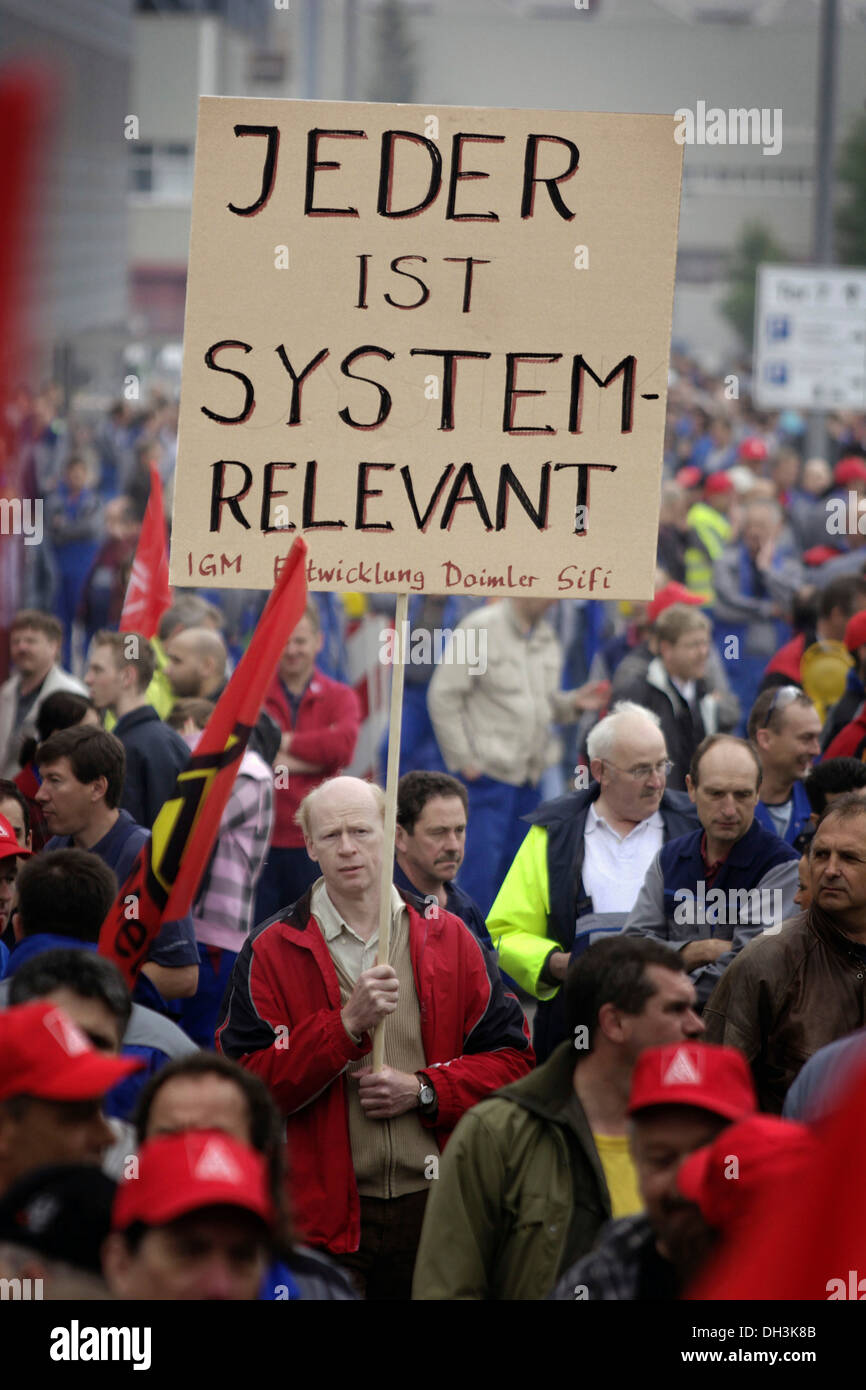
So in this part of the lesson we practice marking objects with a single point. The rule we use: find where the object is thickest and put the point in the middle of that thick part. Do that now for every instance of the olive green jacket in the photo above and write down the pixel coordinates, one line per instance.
(520, 1196)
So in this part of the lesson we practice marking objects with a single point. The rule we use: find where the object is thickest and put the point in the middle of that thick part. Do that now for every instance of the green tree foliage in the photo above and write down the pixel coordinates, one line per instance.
(756, 246)
(851, 211)
(394, 75)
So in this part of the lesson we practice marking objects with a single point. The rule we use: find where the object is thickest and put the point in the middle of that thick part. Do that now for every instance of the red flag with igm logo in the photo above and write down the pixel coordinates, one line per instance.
(148, 594)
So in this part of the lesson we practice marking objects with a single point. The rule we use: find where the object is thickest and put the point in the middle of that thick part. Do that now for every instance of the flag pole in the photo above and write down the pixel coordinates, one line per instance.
(401, 621)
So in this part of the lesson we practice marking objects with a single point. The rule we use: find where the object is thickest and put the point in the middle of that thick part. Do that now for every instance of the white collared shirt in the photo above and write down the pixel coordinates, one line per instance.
(614, 865)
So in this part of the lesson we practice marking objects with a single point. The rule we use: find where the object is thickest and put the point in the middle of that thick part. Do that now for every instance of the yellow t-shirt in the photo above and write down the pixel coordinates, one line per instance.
(620, 1174)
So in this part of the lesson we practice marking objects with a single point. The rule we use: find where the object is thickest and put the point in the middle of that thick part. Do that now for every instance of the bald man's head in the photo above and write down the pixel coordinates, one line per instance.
(336, 791)
(196, 662)
(343, 825)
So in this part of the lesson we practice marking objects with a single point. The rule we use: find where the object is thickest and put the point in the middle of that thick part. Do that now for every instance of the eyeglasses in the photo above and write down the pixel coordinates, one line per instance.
(645, 771)
(790, 693)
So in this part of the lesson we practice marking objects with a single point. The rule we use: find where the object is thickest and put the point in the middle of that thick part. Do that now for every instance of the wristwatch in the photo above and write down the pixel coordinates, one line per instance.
(427, 1101)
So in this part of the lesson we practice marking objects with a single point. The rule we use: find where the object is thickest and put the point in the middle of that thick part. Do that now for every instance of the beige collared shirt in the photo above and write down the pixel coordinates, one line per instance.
(347, 948)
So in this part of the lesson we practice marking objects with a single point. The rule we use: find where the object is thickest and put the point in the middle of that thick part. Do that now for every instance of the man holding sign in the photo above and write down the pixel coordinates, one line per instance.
(305, 998)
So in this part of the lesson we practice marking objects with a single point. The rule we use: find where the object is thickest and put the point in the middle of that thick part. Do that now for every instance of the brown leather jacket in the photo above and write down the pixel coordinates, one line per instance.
(786, 995)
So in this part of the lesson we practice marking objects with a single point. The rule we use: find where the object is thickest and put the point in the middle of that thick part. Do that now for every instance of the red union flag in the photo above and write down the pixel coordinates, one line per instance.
(165, 877)
(148, 594)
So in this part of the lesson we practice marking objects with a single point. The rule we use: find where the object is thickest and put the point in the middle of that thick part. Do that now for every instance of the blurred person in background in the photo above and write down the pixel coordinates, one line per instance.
(319, 719)
(34, 647)
(824, 636)
(709, 530)
(104, 588)
(223, 912)
(674, 688)
(755, 582)
(53, 1223)
(12, 849)
(62, 710)
(847, 707)
(82, 780)
(120, 668)
(73, 525)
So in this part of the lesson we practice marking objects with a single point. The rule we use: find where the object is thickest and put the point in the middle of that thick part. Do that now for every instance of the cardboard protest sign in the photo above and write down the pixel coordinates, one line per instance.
(431, 340)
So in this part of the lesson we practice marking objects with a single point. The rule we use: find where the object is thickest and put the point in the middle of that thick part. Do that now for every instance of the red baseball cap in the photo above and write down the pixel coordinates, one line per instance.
(718, 482)
(741, 1164)
(44, 1054)
(849, 470)
(702, 1075)
(665, 598)
(855, 631)
(819, 555)
(9, 846)
(180, 1173)
(753, 449)
(689, 477)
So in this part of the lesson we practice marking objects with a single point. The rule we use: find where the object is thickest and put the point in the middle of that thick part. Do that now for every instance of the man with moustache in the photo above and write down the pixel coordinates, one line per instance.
(430, 840)
(791, 992)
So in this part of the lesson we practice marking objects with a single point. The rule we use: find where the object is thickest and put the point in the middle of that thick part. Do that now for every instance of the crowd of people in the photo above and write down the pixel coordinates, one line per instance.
(627, 912)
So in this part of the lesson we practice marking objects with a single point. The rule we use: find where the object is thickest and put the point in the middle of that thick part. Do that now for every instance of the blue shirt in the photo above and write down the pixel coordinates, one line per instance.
(801, 812)
(176, 944)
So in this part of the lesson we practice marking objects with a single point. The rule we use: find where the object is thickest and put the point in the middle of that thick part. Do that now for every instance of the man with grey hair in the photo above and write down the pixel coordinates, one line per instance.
(306, 996)
(579, 870)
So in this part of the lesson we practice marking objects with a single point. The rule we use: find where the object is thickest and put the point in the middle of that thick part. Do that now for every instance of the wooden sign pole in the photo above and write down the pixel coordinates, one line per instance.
(387, 877)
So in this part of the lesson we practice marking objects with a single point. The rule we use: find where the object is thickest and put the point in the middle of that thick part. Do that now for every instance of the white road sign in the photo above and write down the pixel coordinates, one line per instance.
(810, 338)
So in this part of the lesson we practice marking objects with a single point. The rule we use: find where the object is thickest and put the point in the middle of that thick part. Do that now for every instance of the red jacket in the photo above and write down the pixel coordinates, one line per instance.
(326, 732)
(788, 659)
(474, 1035)
(848, 741)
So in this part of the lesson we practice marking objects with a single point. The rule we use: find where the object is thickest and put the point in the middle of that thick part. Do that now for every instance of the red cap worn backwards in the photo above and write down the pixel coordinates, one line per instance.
(855, 631)
(9, 846)
(181, 1173)
(44, 1054)
(699, 1074)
